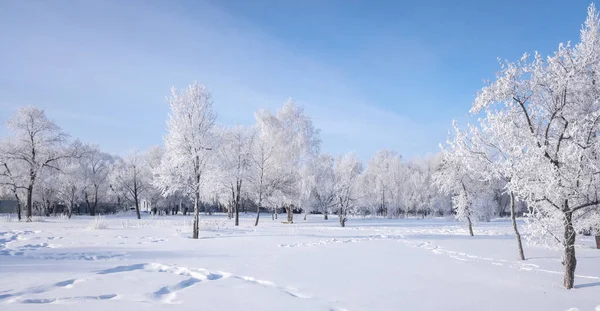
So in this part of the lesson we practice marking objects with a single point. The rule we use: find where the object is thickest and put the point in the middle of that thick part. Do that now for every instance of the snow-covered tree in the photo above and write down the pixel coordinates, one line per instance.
(131, 177)
(284, 143)
(381, 174)
(71, 180)
(555, 112)
(492, 157)
(37, 143)
(189, 144)
(262, 158)
(234, 160)
(13, 179)
(469, 190)
(152, 161)
(297, 142)
(95, 167)
(318, 185)
(348, 169)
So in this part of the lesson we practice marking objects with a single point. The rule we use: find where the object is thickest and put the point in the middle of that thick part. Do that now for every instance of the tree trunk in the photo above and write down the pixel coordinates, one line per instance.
(19, 210)
(18, 203)
(513, 218)
(196, 216)
(470, 225)
(91, 209)
(325, 216)
(342, 217)
(597, 240)
(29, 202)
(237, 215)
(305, 215)
(70, 211)
(258, 208)
(569, 260)
(237, 203)
(290, 214)
(257, 214)
(137, 208)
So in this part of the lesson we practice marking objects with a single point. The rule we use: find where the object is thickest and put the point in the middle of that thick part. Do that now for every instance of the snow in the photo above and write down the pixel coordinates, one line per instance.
(372, 264)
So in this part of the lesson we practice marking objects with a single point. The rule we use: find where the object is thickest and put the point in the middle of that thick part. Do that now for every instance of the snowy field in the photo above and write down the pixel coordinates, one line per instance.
(373, 264)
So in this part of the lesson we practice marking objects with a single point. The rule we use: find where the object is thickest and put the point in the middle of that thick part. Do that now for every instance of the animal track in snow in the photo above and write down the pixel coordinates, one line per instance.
(462, 256)
(194, 276)
(164, 294)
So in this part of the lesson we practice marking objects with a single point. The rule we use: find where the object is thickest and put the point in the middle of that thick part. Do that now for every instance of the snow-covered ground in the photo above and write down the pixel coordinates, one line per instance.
(373, 264)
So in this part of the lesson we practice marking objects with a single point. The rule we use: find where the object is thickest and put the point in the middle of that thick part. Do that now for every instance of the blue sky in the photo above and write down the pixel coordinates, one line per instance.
(371, 74)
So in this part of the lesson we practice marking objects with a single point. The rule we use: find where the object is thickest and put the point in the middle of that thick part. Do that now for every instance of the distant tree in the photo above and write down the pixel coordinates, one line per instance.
(95, 167)
(152, 162)
(71, 180)
(131, 177)
(347, 173)
(318, 185)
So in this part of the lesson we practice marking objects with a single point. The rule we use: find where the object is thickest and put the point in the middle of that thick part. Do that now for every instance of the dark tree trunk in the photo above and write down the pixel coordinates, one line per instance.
(18, 203)
(258, 208)
(569, 260)
(70, 211)
(137, 207)
(91, 207)
(470, 225)
(237, 202)
(29, 202)
(342, 217)
(597, 240)
(513, 218)
(325, 216)
(196, 216)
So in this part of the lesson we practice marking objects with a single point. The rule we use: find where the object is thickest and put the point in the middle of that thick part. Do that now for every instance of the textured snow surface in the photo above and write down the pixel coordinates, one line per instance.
(373, 264)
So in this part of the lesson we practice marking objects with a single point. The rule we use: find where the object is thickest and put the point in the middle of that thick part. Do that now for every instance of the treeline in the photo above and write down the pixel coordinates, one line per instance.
(245, 168)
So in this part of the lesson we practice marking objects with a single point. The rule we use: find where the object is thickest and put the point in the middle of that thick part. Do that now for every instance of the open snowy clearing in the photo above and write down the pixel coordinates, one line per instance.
(373, 264)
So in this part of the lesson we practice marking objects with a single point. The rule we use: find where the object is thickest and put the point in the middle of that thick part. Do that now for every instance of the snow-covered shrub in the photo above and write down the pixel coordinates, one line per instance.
(64, 217)
(98, 223)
